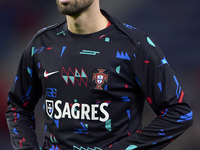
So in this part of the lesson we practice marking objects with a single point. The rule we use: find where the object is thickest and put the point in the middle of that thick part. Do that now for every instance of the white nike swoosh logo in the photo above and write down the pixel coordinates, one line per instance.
(48, 74)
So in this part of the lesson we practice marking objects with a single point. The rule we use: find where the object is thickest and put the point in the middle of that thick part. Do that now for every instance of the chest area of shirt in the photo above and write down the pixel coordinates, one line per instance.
(94, 64)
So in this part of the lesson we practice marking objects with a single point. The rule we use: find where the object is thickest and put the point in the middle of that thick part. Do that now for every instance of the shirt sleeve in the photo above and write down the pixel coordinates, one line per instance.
(163, 92)
(22, 98)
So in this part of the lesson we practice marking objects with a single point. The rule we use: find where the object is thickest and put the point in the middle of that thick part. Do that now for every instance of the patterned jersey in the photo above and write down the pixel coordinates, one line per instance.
(94, 87)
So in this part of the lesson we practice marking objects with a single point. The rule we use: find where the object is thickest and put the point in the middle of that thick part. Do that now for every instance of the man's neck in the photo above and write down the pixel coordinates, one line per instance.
(89, 21)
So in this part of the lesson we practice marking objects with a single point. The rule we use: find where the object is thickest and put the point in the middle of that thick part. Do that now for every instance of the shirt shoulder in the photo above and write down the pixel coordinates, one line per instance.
(57, 26)
(136, 33)
(43, 34)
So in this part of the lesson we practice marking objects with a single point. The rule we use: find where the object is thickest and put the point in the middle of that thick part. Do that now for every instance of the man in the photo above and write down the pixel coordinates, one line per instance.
(95, 73)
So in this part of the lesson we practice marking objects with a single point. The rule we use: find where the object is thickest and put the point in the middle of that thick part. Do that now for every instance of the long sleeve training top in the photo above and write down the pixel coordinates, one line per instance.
(94, 87)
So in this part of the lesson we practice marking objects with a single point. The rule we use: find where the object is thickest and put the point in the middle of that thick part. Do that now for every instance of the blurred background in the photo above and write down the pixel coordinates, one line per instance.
(174, 25)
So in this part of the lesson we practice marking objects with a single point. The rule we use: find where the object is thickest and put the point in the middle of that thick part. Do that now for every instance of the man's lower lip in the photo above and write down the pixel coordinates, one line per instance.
(64, 1)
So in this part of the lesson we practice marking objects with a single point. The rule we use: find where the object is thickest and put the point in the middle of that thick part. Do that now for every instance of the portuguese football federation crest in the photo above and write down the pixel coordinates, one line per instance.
(100, 78)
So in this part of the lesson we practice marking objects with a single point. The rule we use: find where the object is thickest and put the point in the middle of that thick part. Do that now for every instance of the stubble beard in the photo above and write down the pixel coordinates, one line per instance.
(75, 8)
